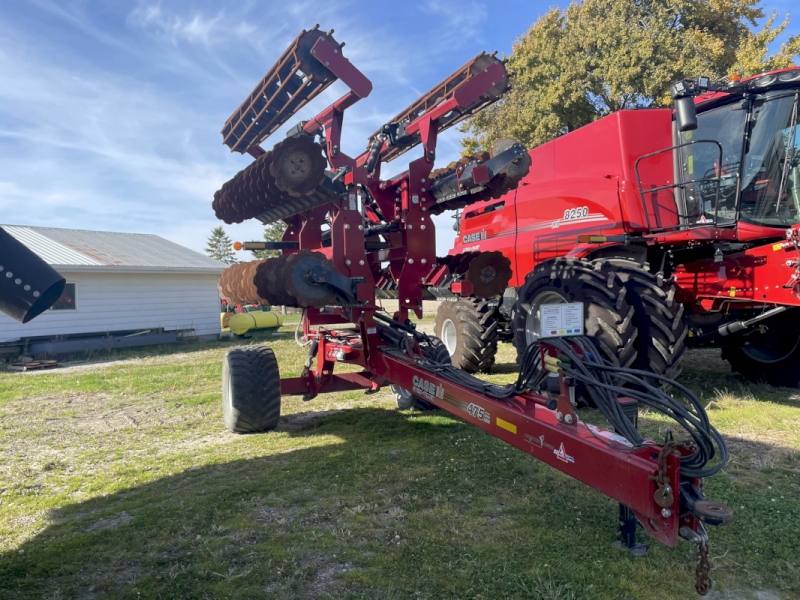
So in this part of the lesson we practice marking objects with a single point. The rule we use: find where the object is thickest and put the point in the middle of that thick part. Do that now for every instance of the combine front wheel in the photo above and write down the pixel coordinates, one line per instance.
(658, 317)
(608, 317)
(469, 332)
(251, 390)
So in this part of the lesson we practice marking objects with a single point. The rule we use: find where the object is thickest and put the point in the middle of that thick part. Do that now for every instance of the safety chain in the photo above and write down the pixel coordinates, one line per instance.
(664, 495)
(702, 581)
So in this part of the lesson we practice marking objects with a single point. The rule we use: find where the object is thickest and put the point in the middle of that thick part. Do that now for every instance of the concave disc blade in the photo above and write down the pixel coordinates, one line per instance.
(298, 165)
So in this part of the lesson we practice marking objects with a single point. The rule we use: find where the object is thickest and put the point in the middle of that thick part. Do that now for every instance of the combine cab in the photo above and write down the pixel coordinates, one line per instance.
(696, 212)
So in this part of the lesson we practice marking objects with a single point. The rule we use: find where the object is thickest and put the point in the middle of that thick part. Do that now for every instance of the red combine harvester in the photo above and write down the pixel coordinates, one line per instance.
(697, 215)
(351, 234)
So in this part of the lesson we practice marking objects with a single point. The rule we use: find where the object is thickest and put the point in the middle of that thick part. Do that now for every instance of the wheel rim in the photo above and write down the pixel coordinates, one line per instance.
(776, 351)
(533, 320)
(450, 336)
(405, 399)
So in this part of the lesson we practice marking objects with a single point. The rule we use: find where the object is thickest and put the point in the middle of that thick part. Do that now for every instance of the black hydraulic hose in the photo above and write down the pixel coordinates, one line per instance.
(422, 337)
(605, 384)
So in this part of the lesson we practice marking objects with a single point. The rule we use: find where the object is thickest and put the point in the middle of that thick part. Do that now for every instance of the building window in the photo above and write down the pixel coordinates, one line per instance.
(68, 300)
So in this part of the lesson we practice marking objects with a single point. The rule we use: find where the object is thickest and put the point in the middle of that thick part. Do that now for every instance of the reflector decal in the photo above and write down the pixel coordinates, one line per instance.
(506, 425)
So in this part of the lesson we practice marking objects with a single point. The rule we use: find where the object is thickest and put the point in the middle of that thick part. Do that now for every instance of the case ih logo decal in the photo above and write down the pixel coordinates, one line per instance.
(474, 237)
(426, 389)
(561, 454)
(473, 410)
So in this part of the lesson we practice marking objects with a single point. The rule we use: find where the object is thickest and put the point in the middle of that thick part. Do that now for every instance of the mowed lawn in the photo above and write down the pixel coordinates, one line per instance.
(119, 480)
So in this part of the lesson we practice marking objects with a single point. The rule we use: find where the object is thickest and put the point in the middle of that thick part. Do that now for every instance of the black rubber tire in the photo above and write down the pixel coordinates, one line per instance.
(476, 333)
(661, 343)
(436, 352)
(782, 372)
(251, 390)
(608, 318)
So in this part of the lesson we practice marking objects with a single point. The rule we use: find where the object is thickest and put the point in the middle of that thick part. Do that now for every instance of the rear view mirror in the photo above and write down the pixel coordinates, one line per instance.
(685, 114)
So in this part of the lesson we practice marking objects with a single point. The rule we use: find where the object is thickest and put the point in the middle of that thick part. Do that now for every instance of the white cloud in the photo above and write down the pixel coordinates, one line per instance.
(462, 20)
(127, 138)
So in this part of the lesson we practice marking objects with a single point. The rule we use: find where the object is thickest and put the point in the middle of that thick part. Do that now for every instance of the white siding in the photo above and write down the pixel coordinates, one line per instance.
(125, 301)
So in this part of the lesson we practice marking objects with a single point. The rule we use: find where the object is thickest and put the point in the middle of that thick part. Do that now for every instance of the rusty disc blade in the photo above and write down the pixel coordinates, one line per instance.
(277, 281)
(298, 165)
(262, 283)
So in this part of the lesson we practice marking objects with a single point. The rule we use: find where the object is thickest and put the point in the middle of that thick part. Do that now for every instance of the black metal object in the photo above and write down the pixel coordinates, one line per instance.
(344, 286)
(457, 184)
(253, 246)
(28, 285)
(693, 500)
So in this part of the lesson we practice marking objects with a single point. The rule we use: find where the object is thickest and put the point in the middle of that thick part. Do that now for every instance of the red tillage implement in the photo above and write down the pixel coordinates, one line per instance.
(350, 233)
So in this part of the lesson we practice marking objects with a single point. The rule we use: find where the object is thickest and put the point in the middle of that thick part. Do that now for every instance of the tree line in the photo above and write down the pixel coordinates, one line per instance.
(595, 57)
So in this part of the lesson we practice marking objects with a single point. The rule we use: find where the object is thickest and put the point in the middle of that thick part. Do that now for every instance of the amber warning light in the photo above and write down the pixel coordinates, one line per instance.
(237, 246)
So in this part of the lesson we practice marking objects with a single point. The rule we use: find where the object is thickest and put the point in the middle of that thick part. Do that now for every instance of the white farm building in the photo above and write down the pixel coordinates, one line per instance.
(122, 289)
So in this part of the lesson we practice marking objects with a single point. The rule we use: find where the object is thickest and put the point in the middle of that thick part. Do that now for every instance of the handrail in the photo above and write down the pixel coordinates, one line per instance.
(681, 184)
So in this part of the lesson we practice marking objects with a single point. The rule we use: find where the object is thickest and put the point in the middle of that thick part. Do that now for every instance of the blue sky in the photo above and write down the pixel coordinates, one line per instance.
(110, 111)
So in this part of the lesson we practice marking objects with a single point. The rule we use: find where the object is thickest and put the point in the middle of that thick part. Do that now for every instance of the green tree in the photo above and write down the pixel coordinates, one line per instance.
(220, 247)
(598, 56)
(272, 233)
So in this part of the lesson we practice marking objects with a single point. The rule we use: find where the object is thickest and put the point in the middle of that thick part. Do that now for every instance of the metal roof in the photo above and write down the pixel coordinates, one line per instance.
(109, 251)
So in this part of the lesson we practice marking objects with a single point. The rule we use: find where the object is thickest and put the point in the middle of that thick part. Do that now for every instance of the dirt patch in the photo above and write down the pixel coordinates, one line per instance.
(271, 515)
(110, 523)
(326, 578)
(761, 454)
(296, 421)
(743, 595)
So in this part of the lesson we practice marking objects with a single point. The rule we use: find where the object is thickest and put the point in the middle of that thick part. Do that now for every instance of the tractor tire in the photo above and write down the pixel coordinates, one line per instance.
(608, 317)
(661, 343)
(469, 332)
(436, 352)
(775, 363)
(251, 390)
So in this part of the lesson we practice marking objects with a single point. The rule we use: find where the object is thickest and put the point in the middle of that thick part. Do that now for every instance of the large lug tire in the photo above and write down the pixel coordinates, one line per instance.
(251, 390)
(436, 352)
(776, 362)
(469, 331)
(661, 343)
(608, 317)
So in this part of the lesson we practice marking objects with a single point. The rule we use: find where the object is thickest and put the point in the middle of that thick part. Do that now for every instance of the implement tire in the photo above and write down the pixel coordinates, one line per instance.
(658, 317)
(608, 317)
(251, 390)
(436, 352)
(469, 332)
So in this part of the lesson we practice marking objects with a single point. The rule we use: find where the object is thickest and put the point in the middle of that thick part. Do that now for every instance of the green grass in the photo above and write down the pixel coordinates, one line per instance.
(118, 480)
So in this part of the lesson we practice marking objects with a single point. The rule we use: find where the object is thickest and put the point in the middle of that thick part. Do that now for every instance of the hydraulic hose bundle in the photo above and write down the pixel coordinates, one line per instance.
(604, 383)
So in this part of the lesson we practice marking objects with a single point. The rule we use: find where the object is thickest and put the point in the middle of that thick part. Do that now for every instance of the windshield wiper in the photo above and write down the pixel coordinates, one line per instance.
(788, 158)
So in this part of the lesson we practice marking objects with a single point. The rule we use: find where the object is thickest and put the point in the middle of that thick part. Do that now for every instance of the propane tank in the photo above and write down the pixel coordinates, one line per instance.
(28, 285)
(241, 324)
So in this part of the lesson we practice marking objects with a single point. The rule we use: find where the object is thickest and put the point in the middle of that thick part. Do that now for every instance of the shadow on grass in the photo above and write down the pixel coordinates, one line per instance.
(373, 503)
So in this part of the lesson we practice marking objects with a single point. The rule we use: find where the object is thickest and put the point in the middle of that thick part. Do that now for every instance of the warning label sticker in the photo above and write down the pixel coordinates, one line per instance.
(557, 320)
